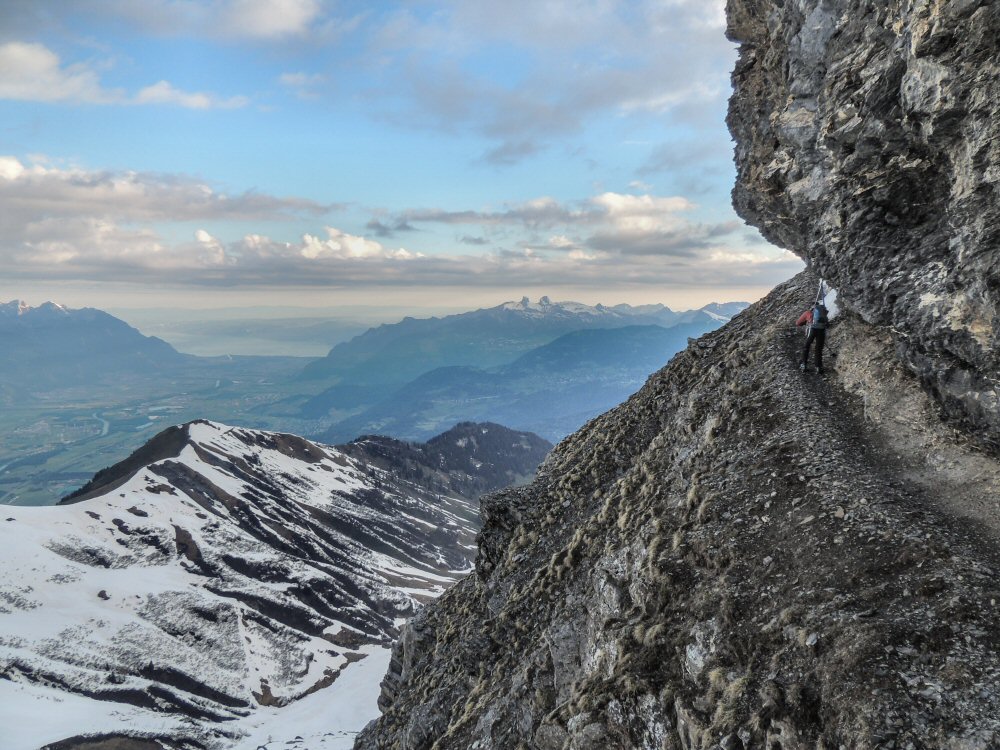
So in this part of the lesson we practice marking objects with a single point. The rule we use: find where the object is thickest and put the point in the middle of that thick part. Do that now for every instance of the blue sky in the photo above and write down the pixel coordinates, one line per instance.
(275, 152)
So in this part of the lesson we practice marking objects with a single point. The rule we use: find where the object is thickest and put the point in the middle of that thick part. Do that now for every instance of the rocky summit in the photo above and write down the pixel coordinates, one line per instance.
(868, 142)
(743, 555)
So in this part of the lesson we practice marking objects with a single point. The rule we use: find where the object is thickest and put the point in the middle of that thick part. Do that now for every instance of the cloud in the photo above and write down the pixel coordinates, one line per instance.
(259, 20)
(380, 229)
(534, 214)
(303, 85)
(607, 225)
(549, 68)
(33, 72)
(266, 19)
(706, 158)
(64, 223)
(619, 212)
(103, 251)
(648, 225)
(165, 93)
(342, 246)
(509, 153)
(35, 193)
(214, 253)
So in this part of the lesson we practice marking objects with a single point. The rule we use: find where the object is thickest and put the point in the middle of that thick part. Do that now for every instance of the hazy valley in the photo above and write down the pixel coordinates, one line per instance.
(81, 389)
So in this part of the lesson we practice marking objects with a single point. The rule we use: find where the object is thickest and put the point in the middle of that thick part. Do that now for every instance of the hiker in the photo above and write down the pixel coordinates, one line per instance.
(816, 318)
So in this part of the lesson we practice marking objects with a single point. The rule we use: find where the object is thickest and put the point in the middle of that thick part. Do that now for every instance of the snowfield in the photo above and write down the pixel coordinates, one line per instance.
(239, 593)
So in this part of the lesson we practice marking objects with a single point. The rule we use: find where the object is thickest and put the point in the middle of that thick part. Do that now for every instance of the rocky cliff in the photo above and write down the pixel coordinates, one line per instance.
(743, 555)
(738, 556)
(868, 142)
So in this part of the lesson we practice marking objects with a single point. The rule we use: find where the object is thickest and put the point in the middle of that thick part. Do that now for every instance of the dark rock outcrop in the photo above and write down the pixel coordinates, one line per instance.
(471, 458)
(868, 142)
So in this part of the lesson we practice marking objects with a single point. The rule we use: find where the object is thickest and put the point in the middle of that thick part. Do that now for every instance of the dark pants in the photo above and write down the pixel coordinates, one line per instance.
(819, 336)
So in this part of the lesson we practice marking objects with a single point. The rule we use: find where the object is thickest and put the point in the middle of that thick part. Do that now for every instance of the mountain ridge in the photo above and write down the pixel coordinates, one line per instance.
(485, 338)
(197, 587)
(550, 390)
(52, 343)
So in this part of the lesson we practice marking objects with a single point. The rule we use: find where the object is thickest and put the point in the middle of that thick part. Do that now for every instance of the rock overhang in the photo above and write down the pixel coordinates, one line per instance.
(868, 143)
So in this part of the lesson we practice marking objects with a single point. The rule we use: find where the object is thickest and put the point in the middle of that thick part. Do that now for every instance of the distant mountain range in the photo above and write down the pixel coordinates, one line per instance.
(393, 354)
(541, 366)
(78, 387)
(54, 343)
(220, 577)
(550, 390)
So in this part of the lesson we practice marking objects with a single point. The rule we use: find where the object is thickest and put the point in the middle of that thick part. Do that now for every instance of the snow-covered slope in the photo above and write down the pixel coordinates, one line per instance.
(219, 576)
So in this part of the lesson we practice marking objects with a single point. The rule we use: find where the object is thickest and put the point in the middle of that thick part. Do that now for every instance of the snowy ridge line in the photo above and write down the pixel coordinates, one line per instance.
(208, 590)
(546, 307)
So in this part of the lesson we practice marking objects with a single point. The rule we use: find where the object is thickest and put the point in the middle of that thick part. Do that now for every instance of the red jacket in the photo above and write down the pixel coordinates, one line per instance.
(805, 319)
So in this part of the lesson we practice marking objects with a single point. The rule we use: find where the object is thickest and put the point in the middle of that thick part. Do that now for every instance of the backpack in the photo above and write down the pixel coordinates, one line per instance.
(820, 317)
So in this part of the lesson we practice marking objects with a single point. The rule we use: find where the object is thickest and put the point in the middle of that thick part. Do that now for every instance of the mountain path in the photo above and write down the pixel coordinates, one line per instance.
(889, 426)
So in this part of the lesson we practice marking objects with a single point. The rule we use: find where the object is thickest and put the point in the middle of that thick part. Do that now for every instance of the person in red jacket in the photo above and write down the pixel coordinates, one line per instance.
(817, 319)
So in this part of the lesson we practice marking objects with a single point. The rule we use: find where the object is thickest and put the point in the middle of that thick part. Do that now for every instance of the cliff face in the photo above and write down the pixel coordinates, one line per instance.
(738, 556)
(868, 142)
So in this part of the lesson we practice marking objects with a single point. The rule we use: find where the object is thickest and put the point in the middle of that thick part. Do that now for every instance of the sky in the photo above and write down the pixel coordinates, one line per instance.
(319, 153)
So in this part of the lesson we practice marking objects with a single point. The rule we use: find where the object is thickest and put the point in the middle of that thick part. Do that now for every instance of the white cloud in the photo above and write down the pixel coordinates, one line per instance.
(213, 251)
(32, 72)
(341, 245)
(101, 250)
(164, 92)
(10, 168)
(607, 225)
(625, 207)
(267, 19)
(62, 223)
(31, 193)
(561, 242)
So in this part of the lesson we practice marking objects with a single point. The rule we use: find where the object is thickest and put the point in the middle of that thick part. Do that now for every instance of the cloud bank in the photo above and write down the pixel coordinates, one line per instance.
(71, 224)
(553, 66)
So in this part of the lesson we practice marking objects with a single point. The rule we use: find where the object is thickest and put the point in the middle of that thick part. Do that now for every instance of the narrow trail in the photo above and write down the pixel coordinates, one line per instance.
(887, 427)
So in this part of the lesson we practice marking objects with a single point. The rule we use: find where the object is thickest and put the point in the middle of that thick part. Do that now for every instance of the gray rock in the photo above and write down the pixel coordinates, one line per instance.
(868, 142)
